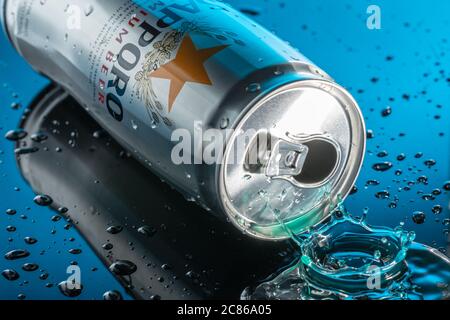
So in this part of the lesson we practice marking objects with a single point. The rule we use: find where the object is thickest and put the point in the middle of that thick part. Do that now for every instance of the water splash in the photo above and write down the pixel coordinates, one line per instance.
(346, 259)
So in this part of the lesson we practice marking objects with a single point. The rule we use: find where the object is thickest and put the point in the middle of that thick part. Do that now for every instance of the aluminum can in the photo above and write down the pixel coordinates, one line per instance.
(220, 108)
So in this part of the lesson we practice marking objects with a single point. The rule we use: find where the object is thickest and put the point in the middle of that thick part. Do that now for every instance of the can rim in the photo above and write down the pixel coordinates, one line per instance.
(322, 211)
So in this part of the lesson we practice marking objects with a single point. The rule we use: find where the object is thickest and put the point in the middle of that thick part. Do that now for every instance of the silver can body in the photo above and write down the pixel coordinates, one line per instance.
(154, 73)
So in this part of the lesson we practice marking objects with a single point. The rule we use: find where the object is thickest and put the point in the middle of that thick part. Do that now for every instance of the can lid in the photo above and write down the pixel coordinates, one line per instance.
(291, 158)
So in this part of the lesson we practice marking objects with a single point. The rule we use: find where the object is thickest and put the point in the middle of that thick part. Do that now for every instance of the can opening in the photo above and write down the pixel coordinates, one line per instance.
(311, 165)
(320, 163)
(298, 150)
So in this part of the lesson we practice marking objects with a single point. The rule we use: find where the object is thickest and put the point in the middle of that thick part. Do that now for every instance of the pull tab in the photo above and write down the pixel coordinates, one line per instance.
(308, 161)
(273, 156)
(286, 159)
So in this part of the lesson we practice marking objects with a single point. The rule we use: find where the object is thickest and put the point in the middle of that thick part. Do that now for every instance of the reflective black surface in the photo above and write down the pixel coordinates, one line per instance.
(127, 213)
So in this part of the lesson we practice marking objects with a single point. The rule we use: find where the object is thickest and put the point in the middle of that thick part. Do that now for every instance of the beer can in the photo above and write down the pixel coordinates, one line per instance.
(220, 108)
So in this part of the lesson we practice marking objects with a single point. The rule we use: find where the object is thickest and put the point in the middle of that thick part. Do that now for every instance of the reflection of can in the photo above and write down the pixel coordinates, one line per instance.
(146, 71)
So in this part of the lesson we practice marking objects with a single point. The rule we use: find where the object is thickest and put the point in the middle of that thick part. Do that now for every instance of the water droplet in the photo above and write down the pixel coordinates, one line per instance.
(372, 183)
(382, 154)
(428, 197)
(278, 72)
(10, 275)
(377, 254)
(30, 240)
(430, 163)
(75, 251)
(436, 192)
(386, 111)
(99, 134)
(446, 186)
(43, 276)
(165, 267)
(423, 180)
(11, 212)
(253, 88)
(382, 166)
(15, 105)
(419, 217)
(63, 210)
(23, 151)
(43, 200)
(16, 135)
(39, 137)
(192, 275)
(88, 9)
(382, 194)
(69, 289)
(112, 295)
(107, 246)
(147, 231)
(16, 254)
(224, 123)
(114, 229)
(437, 209)
(30, 267)
(392, 205)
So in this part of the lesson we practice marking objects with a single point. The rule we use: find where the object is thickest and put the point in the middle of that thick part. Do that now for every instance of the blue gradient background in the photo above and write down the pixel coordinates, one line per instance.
(334, 35)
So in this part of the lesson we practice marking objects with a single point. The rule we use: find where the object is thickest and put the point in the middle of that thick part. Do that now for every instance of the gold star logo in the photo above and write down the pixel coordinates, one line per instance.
(188, 66)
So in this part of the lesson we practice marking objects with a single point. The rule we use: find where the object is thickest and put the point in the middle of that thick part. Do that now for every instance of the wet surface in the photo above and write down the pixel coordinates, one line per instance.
(149, 236)
(399, 75)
